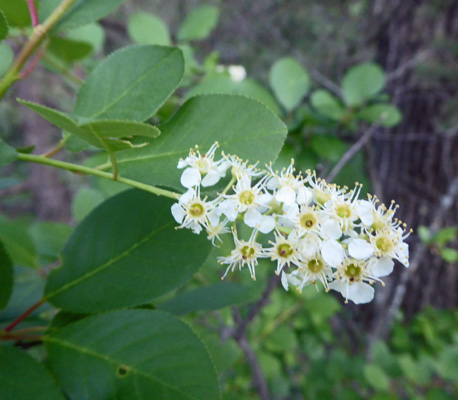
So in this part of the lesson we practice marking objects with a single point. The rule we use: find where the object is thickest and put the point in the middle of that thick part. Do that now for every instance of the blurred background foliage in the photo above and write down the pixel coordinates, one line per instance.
(372, 83)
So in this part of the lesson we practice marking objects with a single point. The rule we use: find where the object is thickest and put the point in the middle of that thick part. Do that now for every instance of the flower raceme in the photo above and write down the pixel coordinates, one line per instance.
(316, 233)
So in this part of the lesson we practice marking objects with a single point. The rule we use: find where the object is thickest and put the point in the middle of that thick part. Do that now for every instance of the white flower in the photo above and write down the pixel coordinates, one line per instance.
(237, 72)
(286, 185)
(332, 252)
(215, 229)
(199, 165)
(193, 212)
(245, 253)
(360, 249)
(390, 243)
(241, 169)
(311, 271)
(283, 250)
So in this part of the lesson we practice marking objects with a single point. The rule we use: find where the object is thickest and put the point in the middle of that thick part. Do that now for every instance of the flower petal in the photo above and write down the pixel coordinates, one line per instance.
(227, 207)
(267, 225)
(330, 229)
(211, 178)
(286, 195)
(381, 266)
(284, 281)
(252, 218)
(332, 252)
(304, 195)
(360, 249)
(365, 211)
(360, 293)
(190, 177)
(178, 213)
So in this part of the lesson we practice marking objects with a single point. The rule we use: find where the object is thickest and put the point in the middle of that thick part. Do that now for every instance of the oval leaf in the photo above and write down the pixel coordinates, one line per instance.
(82, 12)
(199, 23)
(384, 114)
(128, 354)
(6, 277)
(21, 377)
(126, 253)
(131, 84)
(146, 28)
(362, 82)
(6, 58)
(241, 126)
(289, 81)
(328, 105)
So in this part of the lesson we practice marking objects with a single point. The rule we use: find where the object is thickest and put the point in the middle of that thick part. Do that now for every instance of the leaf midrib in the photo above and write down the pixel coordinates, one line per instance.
(107, 359)
(136, 83)
(102, 267)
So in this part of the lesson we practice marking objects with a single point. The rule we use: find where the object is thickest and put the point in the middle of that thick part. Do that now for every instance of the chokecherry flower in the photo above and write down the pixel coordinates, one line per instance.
(245, 253)
(283, 250)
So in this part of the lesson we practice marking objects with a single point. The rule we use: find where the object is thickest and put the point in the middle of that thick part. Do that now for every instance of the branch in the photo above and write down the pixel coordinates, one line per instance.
(352, 151)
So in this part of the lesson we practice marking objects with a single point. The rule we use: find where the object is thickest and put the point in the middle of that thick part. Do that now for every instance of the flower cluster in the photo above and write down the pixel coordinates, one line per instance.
(319, 232)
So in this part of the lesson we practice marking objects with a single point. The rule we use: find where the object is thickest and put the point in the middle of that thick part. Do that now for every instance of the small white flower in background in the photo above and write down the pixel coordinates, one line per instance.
(245, 253)
(237, 72)
(321, 232)
(198, 165)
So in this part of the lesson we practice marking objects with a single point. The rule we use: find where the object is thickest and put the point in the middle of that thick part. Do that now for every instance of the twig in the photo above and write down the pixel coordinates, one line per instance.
(412, 63)
(352, 151)
(34, 62)
(33, 12)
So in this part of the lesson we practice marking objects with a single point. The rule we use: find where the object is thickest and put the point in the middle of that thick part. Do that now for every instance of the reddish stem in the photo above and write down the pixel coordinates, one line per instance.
(33, 63)
(33, 12)
(23, 316)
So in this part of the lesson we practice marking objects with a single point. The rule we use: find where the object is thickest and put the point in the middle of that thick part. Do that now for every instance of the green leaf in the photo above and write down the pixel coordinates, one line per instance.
(6, 58)
(7, 154)
(68, 50)
(6, 277)
(126, 253)
(446, 235)
(282, 339)
(361, 82)
(100, 133)
(199, 23)
(208, 298)
(128, 354)
(3, 26)
(91, 33)
(147, 28)
(290, 82)
(223, 84)
(49, 238)
(417, 372)
(82, 12)
(385, 114)
(376, 377)
(424, 234)
(449, 255)
(22, 377)
(447, 362)
(131, 84)
(328, 105)
(241, 126)
(328, 147)
(18, 243)
(16, 13)
(85, 200)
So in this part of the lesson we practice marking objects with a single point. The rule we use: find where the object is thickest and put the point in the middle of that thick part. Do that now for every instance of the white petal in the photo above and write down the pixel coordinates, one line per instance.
(182, 164)
(360, 249)
(227, 207)
(196, 228)
(213, 217)
(272, 183)
(332, 252)
(178, 213)
(360, 293)
(252, 218)
(187, 196)
(381, 267)
(284, 281)
(211, 178)
(222, 168)
(304, 195)
(286, 195)
(190, 177)
(339, 286)
(267, 224)
(330, 229)
(403, 254)
(365, 211)
(265, 199)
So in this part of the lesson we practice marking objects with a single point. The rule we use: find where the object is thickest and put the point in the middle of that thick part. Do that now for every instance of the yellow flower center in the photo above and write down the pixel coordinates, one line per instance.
(343, 211)
(196, 210)
(384, 244)
(353, 271)
(247, 252)
(321, 197)
(285, 250)
(246, 197)
(315, 266)
(308, 221)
